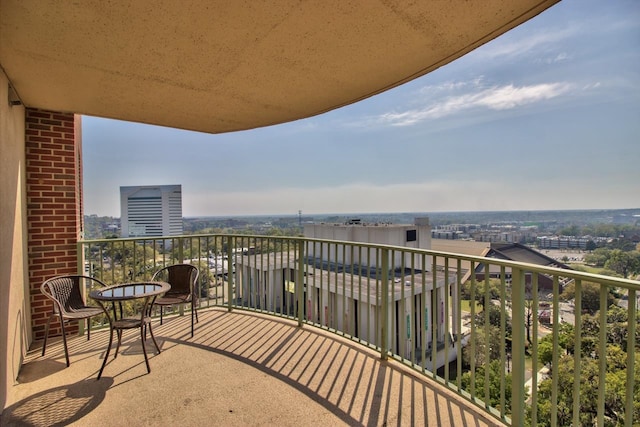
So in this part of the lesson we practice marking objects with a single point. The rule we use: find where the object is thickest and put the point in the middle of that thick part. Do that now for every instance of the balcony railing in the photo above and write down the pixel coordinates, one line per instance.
(476, 325)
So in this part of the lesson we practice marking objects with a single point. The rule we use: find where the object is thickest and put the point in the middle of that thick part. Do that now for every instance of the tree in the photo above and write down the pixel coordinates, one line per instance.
(496, 370)
(480, 286)
(624, 245)
(572, 230)
(598, 257)
(623, 263)
(545, 350)
(615, 390)
(529, 312)
(590, 296)
(615, 375)
(495, 318)
(591, 245)
(495, 341)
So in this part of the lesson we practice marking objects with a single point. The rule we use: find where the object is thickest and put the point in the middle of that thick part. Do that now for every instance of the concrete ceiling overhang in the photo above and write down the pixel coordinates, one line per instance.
(220, 66)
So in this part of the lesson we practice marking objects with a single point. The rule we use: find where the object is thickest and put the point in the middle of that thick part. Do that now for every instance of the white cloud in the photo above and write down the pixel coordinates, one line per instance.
(493, 98)
(562, 56)
(510, 97)
(450, 86)
(526, 44)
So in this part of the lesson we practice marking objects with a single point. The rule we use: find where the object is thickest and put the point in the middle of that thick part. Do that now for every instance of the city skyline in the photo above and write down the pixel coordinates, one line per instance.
(544, 117)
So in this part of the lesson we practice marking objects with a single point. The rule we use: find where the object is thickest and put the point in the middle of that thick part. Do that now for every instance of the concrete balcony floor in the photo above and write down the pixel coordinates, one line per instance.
(240, 369)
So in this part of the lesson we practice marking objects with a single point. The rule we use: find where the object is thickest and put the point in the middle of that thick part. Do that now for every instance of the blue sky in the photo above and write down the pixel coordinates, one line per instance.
(545, 117)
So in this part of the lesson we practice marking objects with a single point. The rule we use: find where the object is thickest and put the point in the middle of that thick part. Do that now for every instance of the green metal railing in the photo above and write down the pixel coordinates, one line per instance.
(411, 305)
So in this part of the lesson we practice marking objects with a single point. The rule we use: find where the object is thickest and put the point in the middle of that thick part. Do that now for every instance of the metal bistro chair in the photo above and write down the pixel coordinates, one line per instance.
(183, 279)
(69, 304)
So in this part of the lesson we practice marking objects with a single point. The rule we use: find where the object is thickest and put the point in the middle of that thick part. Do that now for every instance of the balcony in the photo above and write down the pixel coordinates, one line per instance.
(346, 332)
(241, 368)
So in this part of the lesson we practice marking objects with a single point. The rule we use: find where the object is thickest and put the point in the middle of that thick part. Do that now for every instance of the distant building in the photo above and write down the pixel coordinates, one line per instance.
(151, 211)
(506, 251)
(521, 253)
(416, 235)
(564, 242)
(416, 305)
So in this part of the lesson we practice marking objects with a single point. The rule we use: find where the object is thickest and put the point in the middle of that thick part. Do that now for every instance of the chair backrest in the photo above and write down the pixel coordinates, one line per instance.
(66, 291)
(181, 277)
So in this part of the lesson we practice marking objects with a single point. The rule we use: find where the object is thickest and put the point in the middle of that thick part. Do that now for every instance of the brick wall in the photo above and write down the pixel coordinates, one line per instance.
(54, 215)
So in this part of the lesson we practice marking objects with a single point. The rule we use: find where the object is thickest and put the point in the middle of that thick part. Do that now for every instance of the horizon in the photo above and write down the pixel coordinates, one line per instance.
(545, 117)
(406, 213)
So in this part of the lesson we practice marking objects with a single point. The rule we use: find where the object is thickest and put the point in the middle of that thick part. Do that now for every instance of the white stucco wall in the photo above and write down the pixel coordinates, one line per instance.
(394, 234)
(15, 318)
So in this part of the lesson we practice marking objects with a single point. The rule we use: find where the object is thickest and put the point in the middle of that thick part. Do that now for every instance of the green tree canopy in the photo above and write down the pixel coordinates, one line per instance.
(480, 286)
(615, 375)
(590, 296)
(623, 263)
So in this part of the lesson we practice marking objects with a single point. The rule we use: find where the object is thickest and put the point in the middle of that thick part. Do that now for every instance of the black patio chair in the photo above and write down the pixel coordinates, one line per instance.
(69, 303)
(183, 279)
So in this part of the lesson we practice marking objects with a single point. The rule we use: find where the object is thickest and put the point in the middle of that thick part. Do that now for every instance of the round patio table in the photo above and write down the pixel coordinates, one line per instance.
(145, 291)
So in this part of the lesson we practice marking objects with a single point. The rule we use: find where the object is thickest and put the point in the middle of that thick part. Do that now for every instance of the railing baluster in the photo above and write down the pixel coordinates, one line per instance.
(384, 290)
(459, 324)
(602, 353)
(345, 309)
(577, 353)
(354, 302)
(334, 301)
(424, 315)
(434, 316)
(380, 316)
(473, 336)
(555, 355)
(370, 335)
(231, 244)
(534, 350)
(632, 321)
(447, 320)
(412, 318)
(518, 348)
(503, 334)
(487, 337)
(300, 282)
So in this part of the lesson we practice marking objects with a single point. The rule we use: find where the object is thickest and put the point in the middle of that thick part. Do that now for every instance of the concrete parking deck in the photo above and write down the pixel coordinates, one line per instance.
(240, 369)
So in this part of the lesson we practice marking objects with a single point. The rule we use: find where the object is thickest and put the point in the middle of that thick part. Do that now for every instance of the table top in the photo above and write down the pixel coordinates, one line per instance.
(127, 291)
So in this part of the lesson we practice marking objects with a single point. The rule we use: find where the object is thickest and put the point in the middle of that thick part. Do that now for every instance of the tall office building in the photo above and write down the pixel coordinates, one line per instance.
(151, 210)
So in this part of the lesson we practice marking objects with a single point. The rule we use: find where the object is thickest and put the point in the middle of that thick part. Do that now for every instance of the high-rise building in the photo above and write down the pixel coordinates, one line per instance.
(151, 210)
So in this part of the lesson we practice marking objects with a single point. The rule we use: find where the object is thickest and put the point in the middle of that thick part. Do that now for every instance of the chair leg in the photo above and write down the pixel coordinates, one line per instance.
(88, 328)
(153, 337)
(46, 333)
(161, 314)
(192, 316)
(119, 332)
(64, 340)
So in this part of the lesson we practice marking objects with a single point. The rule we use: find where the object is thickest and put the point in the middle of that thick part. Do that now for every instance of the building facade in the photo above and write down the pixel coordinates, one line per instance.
(153, 210)
(342, 286)
(414, 236)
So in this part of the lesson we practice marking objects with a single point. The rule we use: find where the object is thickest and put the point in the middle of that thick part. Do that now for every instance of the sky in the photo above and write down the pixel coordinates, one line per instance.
(545, 117)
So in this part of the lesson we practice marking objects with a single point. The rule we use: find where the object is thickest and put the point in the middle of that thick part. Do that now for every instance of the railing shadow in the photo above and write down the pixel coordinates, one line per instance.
(347, 379)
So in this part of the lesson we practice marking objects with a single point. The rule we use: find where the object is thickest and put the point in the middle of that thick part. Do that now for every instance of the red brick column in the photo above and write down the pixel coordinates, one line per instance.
(54, 205)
